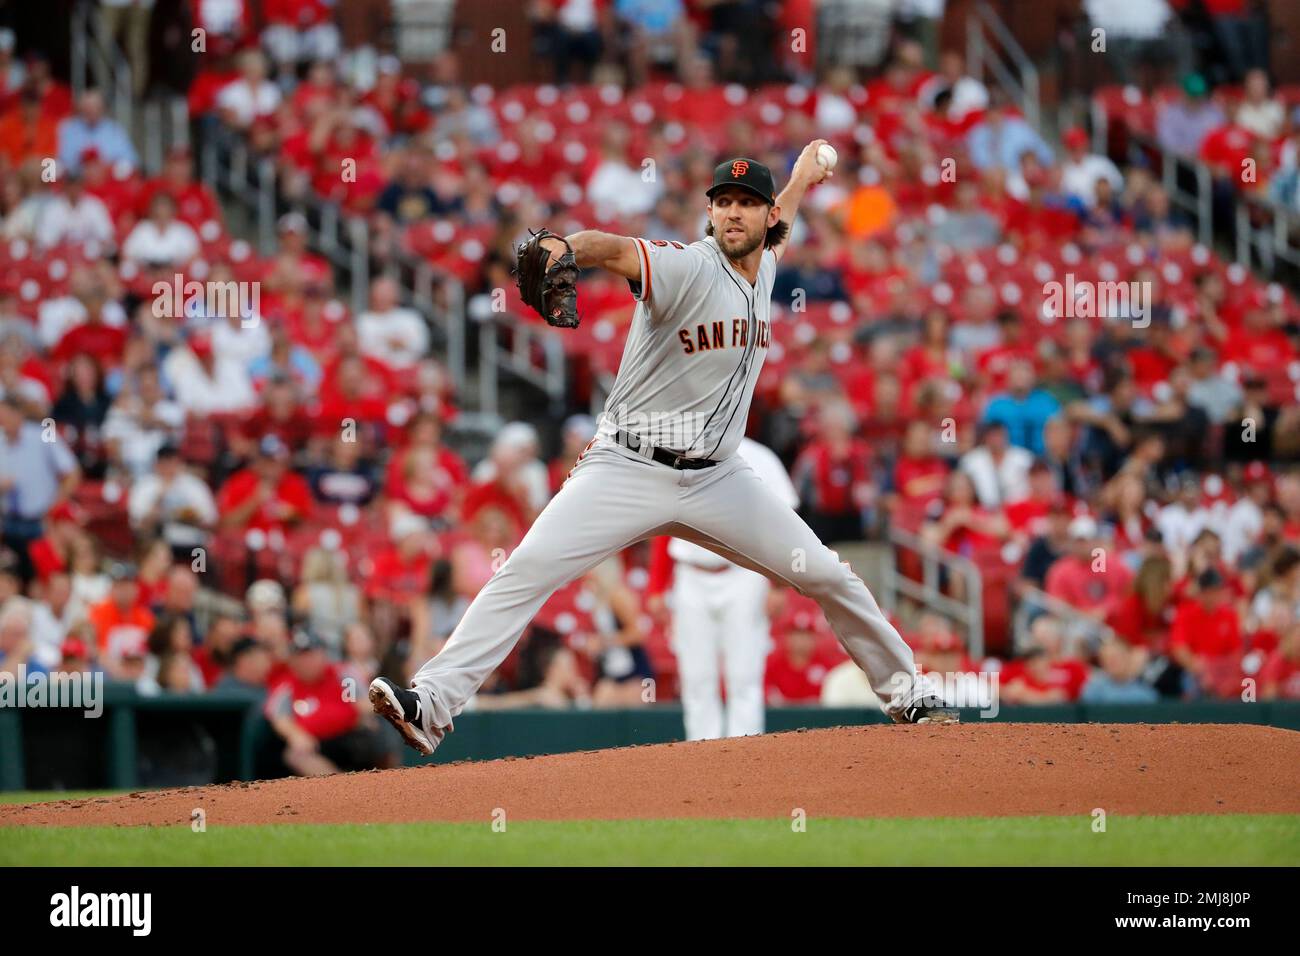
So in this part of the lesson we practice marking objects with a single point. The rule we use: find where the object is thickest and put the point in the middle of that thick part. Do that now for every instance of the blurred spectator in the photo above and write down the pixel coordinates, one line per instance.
(52, 554)
(966, 96)
(1205, 639)
(1045, 548)
(169, 665)
(797, 668)
(204, 385)
(1087, 577)
(1183, 124)
(389, 332)
(1242, 34)
(401, 571)
(141, 420)
(1276, 606)
(1143, 615)
(127, 22)
(615, 185)
(35, 475)
(919, 473)
(410, 197)
(91, 297)
(346, 478)
(1279, 677)
(1135, 35)
(569, 34)
(161, 238)
(1260, 111)
(174, 503)
(248, 668)
(74, 216)
(655, 33)
(320, 730)
(998, 469)
(359, 664)
(967, 224)
(300, 30)
(90, 129)
(80, 411)
(962, 524)
(325, 600)
(833, 477)
(1002, 138)
(251, 96)
(1082, 170)
(122, 624)
(1118, 679)
(194, 200)
(27, 131)
(17, 648)
(267, 495)
(1046, 673)
(214, 657)
(513, 464)
(492, 535)
(617, 646)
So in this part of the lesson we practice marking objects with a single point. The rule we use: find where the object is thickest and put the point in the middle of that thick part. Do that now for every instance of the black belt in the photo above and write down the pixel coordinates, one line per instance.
(662, 455)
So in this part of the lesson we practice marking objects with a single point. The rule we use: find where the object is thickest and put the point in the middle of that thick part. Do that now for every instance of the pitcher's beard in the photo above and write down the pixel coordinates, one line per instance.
(737, 252)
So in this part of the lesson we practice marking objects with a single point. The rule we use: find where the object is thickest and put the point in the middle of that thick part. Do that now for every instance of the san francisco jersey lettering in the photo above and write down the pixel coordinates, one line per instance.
(694, 350)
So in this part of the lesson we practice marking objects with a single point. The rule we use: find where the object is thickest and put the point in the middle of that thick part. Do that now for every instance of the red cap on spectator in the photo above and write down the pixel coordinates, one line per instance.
(73, 647)
(1075, 138)
(90, 155)
(941, 641)
(1257, 471)
(800, 620)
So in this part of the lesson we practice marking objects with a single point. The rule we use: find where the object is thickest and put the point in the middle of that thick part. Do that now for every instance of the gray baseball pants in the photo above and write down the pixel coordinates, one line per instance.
(615, 497)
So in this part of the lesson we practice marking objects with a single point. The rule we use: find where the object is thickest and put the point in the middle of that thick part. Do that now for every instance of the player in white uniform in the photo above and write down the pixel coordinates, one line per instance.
(720, 614)
(664, 458)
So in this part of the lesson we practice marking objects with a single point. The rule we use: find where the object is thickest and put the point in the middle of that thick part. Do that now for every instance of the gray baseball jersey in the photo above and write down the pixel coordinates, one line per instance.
(694, 350)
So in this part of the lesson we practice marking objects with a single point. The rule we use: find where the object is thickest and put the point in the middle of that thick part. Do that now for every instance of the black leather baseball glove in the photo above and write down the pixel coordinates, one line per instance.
(553, 291)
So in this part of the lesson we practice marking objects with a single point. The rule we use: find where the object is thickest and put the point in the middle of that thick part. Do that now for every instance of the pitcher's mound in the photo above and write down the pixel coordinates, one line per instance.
(981, 769)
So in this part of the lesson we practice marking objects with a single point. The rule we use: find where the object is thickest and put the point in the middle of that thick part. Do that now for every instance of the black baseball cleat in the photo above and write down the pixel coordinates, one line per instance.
(927, 712)
(401, 708)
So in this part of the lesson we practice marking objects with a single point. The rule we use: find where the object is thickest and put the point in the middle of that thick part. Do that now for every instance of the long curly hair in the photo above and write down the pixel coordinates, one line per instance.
(774, 236)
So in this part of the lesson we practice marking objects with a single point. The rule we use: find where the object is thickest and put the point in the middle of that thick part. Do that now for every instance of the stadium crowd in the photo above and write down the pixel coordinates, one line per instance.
(197, 496)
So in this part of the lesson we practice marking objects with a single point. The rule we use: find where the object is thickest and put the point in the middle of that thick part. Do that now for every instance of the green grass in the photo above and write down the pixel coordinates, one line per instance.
(44, 796)
(1160, 841)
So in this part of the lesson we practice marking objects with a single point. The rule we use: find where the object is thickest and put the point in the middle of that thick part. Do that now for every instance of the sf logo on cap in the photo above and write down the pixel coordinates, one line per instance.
(739, 168)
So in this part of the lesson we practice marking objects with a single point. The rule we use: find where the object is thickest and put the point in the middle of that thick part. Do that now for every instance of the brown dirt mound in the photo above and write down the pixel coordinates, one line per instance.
(875, 771)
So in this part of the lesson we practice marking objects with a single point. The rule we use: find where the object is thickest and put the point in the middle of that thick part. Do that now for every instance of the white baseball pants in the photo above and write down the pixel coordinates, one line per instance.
(720, 617)
(615, 497)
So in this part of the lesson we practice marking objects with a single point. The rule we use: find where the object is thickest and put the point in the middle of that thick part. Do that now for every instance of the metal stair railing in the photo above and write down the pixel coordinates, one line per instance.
(96, 61)
(1076, 624)
(993, 52)
(1271, 242)
(536, 354)
(928, 592)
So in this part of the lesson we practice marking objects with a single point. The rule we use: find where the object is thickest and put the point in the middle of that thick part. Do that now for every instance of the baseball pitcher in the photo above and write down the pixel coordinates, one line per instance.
(664, 459)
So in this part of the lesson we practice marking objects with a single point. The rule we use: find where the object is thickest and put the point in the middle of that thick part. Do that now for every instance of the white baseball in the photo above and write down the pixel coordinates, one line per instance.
(827, 156)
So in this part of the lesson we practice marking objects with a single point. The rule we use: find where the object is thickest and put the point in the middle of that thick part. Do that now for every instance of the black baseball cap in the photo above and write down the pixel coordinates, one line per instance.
(305, 640)
(747, 174)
